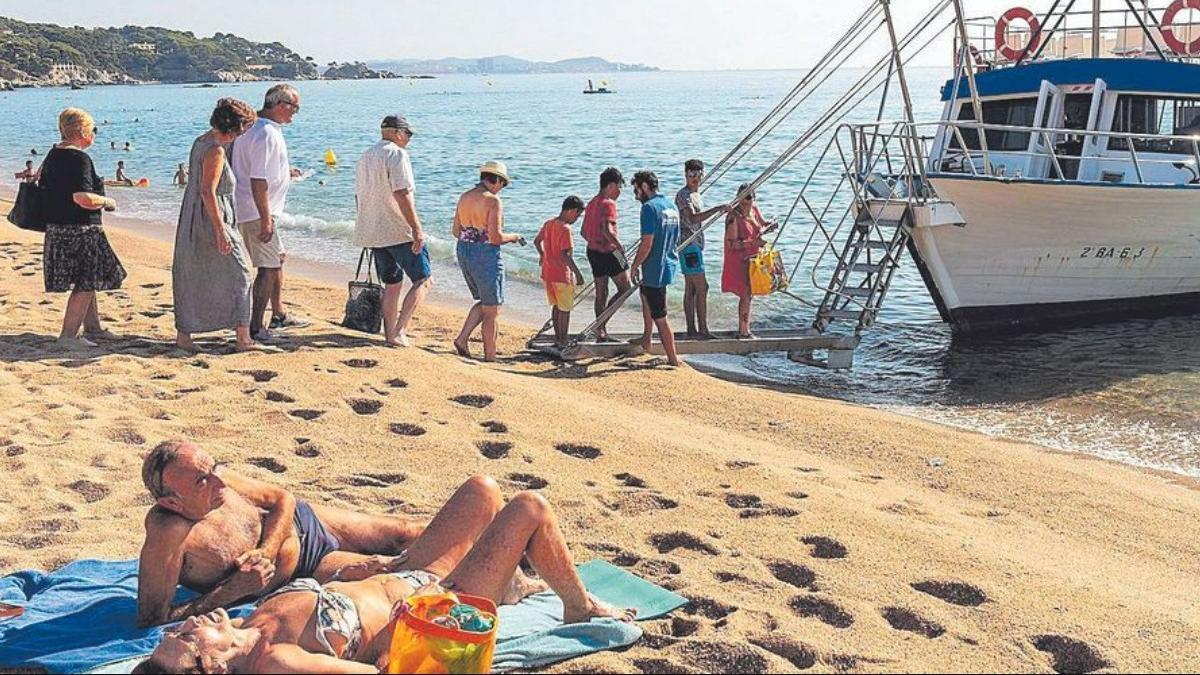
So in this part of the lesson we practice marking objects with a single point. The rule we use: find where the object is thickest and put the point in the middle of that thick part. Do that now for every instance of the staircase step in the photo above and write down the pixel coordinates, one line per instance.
(840, 314)
(866, 223)
(857, 292)
(867, 268)
(877, 245)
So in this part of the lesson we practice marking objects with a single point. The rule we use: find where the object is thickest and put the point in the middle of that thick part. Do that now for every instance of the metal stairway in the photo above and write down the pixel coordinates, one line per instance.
(863, 271)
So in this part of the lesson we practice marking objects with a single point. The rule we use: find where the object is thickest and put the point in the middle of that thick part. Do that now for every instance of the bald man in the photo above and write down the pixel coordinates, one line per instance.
(230, 537)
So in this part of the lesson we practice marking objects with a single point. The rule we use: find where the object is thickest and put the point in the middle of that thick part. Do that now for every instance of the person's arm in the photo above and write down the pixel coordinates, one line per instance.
(537, 244)
(456, 229)
(731, 233)
(258, 190)
(280, 508)
(210, 174)
(159, 567)
(610, 225)
(290, 658)
(87, 197)
(569, 260)
(408, 209)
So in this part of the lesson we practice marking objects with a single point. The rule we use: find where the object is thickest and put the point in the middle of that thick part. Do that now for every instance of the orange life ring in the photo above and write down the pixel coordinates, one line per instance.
(1168, 28)
(1035, 38)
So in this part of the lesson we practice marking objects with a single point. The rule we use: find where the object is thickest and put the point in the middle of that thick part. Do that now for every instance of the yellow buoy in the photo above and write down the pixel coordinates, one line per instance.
(330, 158)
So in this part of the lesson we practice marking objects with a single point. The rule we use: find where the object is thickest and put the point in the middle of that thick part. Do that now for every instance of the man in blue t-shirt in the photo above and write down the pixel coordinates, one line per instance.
(656, 262)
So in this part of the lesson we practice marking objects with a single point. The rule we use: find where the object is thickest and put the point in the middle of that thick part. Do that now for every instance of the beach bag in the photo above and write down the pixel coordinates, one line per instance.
(26, 211)
(364, 307)
(766, 272)
(423, 641)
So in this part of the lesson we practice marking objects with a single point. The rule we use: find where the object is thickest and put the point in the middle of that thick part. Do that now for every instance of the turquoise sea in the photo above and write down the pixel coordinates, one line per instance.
(1128, 391)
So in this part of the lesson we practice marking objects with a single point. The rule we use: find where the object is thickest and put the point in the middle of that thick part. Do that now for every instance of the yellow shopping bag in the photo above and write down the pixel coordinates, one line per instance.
(766, 272)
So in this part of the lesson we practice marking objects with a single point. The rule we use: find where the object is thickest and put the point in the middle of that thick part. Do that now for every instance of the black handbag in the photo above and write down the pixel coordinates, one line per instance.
(364, 307)
(26, 211)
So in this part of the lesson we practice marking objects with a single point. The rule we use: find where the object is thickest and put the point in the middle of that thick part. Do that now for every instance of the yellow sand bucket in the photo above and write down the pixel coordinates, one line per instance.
(421, 646)
(766, 273)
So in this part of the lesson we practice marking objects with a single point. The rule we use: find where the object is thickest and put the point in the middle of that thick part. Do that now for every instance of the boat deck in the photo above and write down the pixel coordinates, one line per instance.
(800, 346)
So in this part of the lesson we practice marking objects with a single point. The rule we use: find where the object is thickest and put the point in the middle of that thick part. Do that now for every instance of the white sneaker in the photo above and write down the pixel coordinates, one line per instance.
(76, 343)
(289, 320)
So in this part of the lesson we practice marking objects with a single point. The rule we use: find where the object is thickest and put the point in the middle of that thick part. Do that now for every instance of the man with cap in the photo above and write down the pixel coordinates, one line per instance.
(387, 223)
(479, 231)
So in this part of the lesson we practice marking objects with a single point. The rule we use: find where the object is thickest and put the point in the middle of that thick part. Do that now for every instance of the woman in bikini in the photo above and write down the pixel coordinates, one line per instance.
(342, 627)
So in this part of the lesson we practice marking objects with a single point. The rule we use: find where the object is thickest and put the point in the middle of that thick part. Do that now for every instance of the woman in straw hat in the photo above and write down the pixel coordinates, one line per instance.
(479, 231)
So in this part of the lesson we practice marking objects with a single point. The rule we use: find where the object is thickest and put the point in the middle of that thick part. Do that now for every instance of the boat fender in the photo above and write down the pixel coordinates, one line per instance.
(1035, 39)
(330, 158)
(1168, 28)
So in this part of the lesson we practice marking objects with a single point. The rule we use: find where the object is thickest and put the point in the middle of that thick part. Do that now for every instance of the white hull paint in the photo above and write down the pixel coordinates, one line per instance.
(1029, 247)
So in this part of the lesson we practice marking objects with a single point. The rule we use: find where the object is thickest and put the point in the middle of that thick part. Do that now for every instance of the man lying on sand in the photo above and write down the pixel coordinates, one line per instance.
(230, 537)
(342, 627)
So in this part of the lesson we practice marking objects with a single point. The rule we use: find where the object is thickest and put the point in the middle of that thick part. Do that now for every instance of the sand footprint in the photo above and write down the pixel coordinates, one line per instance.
(258, 375)
(825, 548)
(91, 492)
(377, 480)
(801, 656)
(360, 363)
(630, 480)
(396, 383)
(474, 400)
(637, 503)
(278, 397)
(722, 657)
(307, 448)
(306, 414)
(269, 463)
(494, 427)
(127, 436)
(406, 429)
(667, 542)
(794, 575)
(365, 406)
(616, 555)
(907, 620)
(494, 449)
(527, 481)
(1070, 655)
(708, 608)
(953, 592)
(819, 608)
(578, 451)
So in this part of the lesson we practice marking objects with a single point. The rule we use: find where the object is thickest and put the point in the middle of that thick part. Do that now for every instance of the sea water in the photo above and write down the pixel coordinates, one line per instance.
(1128, 391)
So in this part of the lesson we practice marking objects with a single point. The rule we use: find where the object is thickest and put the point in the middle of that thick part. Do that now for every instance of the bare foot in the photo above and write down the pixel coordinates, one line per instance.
(522, 586)
(75, 343)
(186, 343)
(597, 610)
(253, 347)
(462, 350)
(102, 334)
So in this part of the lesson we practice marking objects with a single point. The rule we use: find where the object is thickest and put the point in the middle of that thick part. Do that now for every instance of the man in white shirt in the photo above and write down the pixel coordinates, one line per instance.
(387, 223)
(263, 175)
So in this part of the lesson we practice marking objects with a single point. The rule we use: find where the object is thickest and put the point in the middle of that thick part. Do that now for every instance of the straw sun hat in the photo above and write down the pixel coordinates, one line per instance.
(497, 169)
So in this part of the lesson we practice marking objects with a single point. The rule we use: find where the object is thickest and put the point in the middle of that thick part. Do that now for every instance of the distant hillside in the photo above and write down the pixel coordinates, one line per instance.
(46, 54)
(503, 65)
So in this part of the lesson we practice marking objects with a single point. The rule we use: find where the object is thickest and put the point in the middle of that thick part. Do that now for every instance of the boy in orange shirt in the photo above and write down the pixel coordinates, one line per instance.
(555, 253)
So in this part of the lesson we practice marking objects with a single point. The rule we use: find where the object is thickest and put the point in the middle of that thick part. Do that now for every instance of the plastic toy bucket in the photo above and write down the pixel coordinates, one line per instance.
(420, 646)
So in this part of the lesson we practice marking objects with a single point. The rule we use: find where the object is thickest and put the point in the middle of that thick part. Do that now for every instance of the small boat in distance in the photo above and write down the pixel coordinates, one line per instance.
(602, 90)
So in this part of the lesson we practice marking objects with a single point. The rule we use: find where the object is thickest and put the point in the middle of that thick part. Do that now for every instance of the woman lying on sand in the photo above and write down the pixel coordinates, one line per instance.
(349, 618)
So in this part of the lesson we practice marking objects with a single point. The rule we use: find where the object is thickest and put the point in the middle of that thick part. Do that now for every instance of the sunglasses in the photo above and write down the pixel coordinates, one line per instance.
(294, 106)
(695, 173)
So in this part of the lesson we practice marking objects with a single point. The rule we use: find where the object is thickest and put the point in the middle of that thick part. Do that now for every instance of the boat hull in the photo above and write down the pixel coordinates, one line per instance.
(1038, 255)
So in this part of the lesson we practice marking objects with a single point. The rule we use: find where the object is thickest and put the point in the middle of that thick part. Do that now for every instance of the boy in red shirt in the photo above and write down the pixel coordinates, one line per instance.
(554, 248)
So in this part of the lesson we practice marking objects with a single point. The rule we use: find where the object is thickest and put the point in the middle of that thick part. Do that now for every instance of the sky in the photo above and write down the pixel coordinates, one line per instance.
(669, 34)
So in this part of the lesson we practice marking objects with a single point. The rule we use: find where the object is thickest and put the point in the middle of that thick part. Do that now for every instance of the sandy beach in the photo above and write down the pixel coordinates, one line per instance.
(808, 534)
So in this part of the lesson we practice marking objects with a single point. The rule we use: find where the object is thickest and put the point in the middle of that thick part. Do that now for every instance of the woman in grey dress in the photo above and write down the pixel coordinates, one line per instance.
(211, 273)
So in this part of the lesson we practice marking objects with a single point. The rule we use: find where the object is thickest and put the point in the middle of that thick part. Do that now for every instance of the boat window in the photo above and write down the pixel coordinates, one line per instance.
(1156, 115)
(1014, 112)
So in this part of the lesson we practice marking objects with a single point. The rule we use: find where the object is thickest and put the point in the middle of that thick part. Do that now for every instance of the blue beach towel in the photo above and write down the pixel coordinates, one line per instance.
(81, 617)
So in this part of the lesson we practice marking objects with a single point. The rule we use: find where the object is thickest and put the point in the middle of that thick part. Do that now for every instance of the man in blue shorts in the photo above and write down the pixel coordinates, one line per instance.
(692, 217)
(387, 223)
(654, 268)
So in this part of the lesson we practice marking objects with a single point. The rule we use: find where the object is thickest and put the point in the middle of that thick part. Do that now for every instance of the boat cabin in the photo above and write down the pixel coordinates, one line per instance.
(1111, 120)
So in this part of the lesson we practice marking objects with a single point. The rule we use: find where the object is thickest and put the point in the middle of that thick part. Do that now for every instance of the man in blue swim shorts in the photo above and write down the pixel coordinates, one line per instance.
(692, 216)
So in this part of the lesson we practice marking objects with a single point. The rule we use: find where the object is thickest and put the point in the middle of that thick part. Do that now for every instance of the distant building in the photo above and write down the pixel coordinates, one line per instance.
(148, 47)
(259, 67)
(66, 70)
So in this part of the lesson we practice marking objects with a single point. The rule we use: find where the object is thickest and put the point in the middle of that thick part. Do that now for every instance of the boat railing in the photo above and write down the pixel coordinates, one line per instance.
(956, 149)
(1123, 32)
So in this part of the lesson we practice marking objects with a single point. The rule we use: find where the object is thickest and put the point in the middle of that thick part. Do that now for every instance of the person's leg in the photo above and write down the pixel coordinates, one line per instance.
(744, 301)
(601, 284)
(91, 319)
(184, 340)
(376, 534)
(391, 310)
(277, 294)
(244, 342)
(77, 306)
(701, 286)
(474, 318)
(527, 527)
(668, 340)
(262, 294)
(647, 324)
(414, 298)
(490, 331)
(689, 304)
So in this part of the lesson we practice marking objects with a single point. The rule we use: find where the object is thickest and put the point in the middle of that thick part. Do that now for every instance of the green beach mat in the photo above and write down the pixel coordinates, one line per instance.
(622, 589)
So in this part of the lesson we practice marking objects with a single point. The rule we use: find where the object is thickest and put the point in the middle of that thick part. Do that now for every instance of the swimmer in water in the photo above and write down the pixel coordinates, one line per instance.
(128, 146)
(121, 176)
(181, 176)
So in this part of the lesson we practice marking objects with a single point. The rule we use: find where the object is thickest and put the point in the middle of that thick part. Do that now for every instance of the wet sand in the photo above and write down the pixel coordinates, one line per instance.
(808, 534)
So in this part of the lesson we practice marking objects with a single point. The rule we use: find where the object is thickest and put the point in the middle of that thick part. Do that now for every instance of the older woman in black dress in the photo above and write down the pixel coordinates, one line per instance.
(77, 258)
